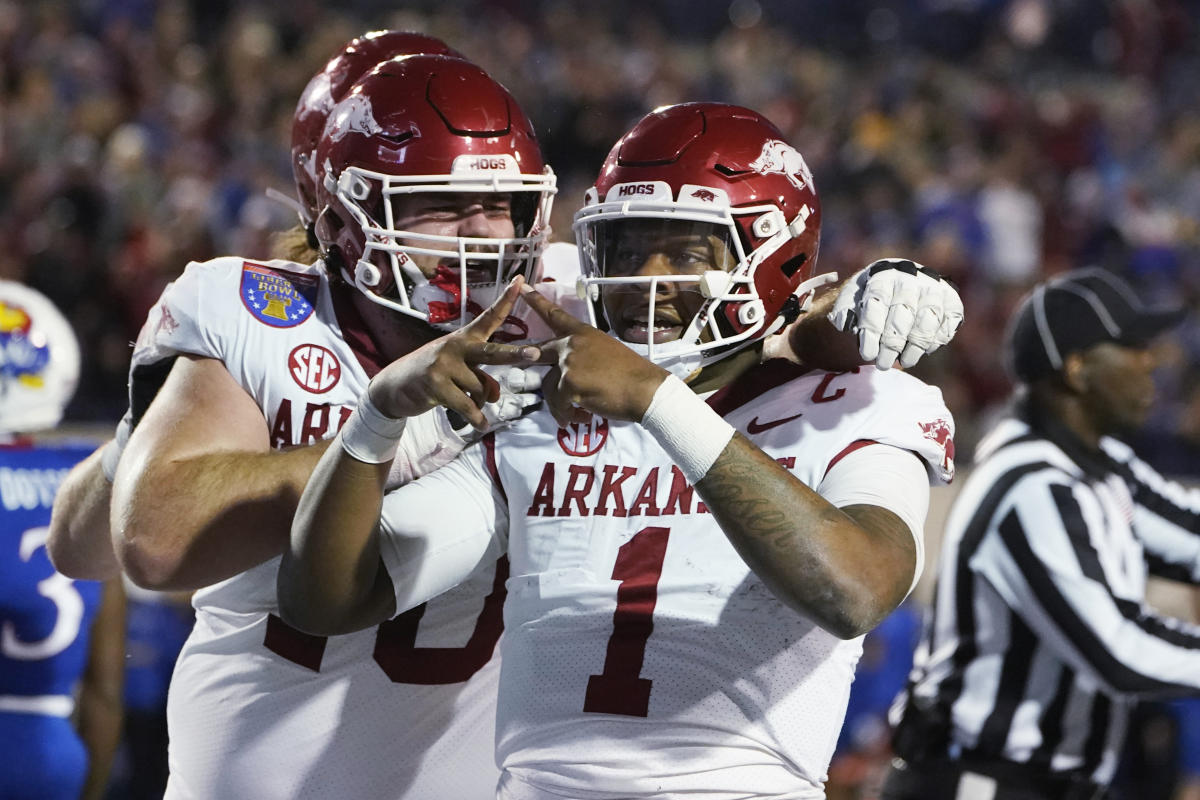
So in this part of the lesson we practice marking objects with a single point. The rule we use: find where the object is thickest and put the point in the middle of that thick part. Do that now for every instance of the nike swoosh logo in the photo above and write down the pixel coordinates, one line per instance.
(758, 427)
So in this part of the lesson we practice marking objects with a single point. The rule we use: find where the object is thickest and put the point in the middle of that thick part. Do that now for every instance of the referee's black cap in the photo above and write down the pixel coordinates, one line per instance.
(1074, 311)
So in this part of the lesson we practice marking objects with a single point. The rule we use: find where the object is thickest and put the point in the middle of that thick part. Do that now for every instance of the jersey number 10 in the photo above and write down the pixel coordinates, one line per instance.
(396, 650)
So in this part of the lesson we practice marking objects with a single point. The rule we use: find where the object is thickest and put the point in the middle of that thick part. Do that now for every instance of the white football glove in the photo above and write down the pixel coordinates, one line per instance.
(518, 394)
(897, 308)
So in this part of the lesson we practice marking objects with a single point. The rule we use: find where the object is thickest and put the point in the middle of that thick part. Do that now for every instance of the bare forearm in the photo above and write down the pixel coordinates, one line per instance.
(187, 523)
(329, 578)
(817, 559)
(79, 543)
(817, 343)
(100, 708)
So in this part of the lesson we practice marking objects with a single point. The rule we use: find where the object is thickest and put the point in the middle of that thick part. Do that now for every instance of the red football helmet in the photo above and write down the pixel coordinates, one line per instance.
(330, 85)
(428, 124)
(723, 172)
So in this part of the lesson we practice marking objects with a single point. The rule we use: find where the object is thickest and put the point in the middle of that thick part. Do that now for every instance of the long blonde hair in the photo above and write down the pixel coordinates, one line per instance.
(293, 244)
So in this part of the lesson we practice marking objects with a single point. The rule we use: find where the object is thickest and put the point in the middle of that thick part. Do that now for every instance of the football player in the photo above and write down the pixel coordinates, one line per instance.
(265, 361)
(82, 509)
(61, 640)
(698, 539)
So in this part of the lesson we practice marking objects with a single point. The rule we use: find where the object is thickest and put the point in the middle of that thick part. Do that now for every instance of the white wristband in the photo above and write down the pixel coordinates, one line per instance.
(369, 435)
(687, 428)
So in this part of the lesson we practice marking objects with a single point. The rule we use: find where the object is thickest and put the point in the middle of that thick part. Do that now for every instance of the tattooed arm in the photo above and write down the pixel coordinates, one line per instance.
(845, 568)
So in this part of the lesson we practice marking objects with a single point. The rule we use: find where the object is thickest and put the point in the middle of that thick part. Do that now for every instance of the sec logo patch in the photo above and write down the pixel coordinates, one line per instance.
(583, 438)
(315, 368)
(277, 297)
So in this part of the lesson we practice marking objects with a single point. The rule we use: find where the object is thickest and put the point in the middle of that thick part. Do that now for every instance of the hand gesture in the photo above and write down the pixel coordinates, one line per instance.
(590, 369)
(447, 370)
(518, 396)
(898, 308)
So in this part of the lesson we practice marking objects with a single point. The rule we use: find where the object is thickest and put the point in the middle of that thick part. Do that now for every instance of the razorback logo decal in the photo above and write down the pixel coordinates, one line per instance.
(939, 431)
(780, 158)
(276, 297)
(354, 115)
(167, 323)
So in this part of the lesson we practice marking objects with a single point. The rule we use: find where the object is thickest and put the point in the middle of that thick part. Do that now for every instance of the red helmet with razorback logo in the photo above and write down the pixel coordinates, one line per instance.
(426, 125)
(726, 172)
(330, 85)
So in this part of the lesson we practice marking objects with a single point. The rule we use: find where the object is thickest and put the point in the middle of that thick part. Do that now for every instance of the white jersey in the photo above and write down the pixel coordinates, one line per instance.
(559, 264)
(642, 658)
(259, 710)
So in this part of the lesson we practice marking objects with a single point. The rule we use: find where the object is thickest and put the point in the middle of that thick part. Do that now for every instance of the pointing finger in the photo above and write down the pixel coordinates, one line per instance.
(559, 320)
(484, 325)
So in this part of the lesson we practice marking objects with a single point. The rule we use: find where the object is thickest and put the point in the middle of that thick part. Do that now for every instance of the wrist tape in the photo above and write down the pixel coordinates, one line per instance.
(687, 428)
(369, 435)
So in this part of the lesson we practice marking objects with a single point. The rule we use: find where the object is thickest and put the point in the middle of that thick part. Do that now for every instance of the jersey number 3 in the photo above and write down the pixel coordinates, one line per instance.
(619, 689)
(68, 605)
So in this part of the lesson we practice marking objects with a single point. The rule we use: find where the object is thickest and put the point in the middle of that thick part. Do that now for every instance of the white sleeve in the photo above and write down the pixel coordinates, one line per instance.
(436, 530)
(885, 476)
(188, 317)
(428, 442)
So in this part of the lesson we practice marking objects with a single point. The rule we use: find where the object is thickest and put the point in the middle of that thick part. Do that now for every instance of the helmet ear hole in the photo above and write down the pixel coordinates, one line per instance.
(793, 264)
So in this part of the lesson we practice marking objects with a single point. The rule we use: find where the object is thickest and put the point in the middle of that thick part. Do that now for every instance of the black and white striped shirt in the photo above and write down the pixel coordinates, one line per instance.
(1040, 641)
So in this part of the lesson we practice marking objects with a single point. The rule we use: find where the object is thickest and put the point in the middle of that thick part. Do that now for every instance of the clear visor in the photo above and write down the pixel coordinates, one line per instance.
(636, 247)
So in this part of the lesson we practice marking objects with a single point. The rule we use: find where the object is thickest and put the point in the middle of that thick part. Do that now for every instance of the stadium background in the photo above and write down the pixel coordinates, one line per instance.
(997, 141)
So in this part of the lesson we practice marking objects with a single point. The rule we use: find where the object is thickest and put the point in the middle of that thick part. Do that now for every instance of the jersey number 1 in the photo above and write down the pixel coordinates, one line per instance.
(619, 689)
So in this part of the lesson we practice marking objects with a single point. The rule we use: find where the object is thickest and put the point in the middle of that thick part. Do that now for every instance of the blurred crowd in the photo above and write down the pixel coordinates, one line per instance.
(997, 141)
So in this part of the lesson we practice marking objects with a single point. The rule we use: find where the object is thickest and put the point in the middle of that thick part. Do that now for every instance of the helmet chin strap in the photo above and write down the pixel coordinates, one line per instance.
(807, 290)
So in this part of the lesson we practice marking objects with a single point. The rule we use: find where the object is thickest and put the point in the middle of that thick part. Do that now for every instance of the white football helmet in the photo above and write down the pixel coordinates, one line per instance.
(39, 360)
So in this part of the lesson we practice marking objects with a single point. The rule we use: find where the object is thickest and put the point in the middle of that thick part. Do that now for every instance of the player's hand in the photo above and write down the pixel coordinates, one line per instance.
(591, 370)
(897, 308)
(447, 370)
(518, 396)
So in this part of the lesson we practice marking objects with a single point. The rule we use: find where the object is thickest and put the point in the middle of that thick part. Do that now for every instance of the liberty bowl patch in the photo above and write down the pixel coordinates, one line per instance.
(277, 297)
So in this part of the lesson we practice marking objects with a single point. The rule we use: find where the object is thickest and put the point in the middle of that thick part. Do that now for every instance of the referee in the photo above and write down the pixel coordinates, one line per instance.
(1040, 641)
